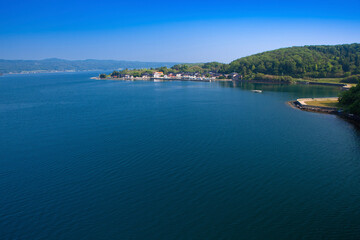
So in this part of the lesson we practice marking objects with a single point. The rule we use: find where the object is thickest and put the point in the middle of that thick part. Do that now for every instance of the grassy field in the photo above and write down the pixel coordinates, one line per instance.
(323, 103)
(322, 80)
(326, 80)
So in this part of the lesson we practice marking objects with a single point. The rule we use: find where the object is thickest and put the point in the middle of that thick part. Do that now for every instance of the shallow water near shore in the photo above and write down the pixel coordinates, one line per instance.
(95, 159)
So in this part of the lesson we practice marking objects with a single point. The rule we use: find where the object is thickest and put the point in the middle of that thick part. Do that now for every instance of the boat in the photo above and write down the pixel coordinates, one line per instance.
(257, 91)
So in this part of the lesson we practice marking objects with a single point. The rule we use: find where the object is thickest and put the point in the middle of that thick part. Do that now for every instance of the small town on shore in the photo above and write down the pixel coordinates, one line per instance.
(185, 76)
(337, 66)
(329, 105)
(157, 76)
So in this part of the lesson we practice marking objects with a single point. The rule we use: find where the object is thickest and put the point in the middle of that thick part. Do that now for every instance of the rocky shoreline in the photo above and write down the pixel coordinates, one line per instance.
(326, 110)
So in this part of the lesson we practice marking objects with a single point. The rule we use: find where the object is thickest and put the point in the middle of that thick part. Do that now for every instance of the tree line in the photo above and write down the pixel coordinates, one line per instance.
(338, 61)
(301, 62)
(350, 100)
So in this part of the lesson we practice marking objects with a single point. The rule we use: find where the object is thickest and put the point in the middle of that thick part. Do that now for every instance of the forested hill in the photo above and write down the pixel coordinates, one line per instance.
(54, 64)
(337, 63)
(308, 61)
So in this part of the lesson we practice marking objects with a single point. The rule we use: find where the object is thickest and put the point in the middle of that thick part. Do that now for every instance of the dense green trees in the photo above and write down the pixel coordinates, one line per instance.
(338, 61)
(350, 100)
(351, 79)
(114, 74)
(285, 64)
(200, 67)
(308, 61)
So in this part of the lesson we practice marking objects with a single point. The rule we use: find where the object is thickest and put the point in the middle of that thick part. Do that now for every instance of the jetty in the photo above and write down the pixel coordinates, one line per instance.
(323, 105)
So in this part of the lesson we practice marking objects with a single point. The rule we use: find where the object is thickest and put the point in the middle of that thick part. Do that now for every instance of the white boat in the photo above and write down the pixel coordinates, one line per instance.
(257, 91)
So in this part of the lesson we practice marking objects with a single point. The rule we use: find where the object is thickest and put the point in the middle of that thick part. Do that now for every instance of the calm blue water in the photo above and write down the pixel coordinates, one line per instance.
(88, 159)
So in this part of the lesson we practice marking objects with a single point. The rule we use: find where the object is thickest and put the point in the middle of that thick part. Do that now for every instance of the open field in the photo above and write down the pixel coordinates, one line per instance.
(322, 80)
(326, 80)
(323, 103)
(319, 102)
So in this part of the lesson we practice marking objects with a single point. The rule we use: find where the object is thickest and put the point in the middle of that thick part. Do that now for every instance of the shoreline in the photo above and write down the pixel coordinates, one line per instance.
(308, 108)
(163, 79)
(51, 71)
(293, 103)
(343, 86)
(354, 119)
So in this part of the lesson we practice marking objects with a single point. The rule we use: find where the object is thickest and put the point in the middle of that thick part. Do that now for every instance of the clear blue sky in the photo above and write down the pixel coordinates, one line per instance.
(185, 31)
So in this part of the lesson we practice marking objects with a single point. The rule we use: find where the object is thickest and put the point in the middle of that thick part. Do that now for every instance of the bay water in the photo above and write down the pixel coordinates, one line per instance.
(95, 159)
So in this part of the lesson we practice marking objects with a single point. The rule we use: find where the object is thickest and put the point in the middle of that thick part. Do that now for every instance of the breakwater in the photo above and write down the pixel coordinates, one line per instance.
(299, 103)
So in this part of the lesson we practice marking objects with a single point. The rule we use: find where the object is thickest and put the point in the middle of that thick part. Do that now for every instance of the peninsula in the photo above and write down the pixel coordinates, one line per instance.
(323, 64)
(337, 65)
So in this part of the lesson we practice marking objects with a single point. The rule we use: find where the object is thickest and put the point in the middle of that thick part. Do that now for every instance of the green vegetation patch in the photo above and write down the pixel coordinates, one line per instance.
(323, 103)
(324, 64)
(336, 61)
(350, 100)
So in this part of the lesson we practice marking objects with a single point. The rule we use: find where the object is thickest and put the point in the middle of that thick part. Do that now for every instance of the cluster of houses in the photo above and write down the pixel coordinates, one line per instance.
(183, 76)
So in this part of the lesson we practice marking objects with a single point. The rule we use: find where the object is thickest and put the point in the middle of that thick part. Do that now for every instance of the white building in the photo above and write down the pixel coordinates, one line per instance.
(158, 74)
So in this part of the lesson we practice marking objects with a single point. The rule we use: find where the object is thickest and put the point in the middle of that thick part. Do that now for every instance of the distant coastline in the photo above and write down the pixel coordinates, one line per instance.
(50, 71)
(129, 78)
(327, 105)
(163, 79)
(63, 65)
(333, 65)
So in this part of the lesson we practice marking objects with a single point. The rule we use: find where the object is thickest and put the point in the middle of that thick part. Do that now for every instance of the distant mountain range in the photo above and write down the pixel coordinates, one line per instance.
(55, 64)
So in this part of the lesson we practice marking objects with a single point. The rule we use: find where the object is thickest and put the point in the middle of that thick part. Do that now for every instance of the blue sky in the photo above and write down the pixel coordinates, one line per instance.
(185, 31)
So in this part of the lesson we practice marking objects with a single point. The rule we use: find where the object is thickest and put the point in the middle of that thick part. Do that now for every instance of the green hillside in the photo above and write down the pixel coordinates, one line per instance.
(326, 64)
(350, 100)
(336, 61)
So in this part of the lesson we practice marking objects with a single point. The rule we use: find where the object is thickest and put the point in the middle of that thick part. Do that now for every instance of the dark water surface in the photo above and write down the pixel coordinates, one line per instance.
(88, 159)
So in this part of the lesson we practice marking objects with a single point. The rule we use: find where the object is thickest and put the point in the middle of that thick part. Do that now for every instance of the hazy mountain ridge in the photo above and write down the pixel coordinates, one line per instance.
(56, 64)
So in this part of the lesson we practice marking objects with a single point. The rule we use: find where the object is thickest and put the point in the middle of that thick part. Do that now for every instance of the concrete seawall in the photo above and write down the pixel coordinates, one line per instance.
(310, 108)
(354, 119)
(301, 103)
(328, 84)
